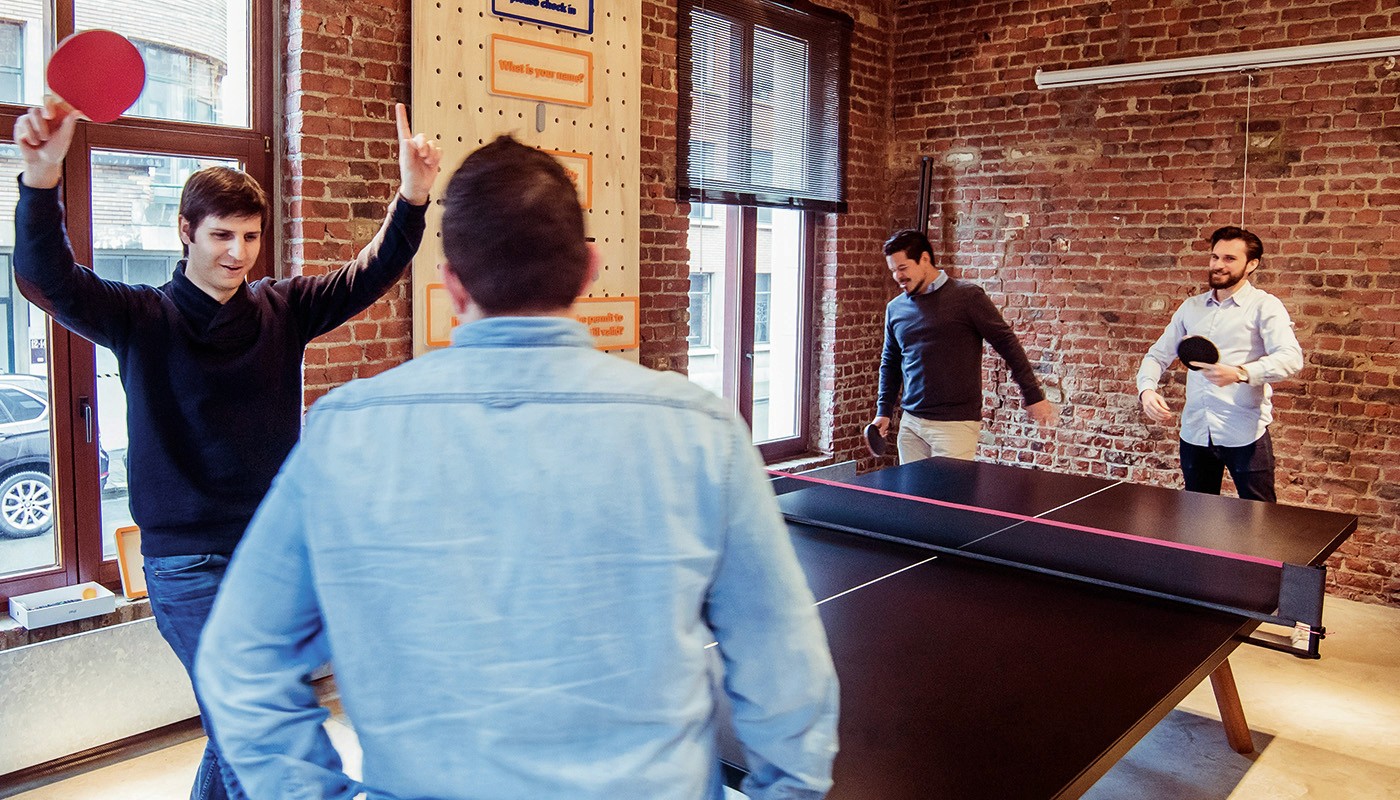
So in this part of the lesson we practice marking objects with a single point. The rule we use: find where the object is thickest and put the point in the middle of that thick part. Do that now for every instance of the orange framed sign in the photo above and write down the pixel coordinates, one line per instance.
(611, 320)
(546, 73)
(441, 319)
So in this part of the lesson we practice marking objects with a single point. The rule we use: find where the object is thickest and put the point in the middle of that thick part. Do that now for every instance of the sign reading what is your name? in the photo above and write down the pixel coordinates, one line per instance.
(569, 15)
(542, 72)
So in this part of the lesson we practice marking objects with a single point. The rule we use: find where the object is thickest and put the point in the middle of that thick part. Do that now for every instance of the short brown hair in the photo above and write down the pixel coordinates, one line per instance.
(911, 243)
(222, 192)
(1253, 245)
(512, 230)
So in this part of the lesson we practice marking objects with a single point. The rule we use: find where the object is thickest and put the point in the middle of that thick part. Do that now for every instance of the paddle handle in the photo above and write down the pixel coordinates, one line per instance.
(61, 108)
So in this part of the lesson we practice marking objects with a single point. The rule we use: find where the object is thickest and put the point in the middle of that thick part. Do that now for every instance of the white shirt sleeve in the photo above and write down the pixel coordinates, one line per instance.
(1161, 354)
(1283, 356)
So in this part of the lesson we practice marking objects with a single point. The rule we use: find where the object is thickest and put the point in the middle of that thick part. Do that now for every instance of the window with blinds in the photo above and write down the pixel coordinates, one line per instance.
(762, 117)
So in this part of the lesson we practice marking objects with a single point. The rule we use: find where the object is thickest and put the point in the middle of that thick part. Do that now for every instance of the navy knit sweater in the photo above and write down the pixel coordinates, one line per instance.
(933, 345)
(213, 391)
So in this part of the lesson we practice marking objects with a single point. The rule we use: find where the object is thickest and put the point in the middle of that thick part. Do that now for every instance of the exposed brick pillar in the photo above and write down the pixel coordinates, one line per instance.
(347, 64)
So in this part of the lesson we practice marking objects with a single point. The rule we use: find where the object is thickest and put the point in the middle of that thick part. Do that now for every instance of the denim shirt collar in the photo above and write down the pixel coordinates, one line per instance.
(522, 332)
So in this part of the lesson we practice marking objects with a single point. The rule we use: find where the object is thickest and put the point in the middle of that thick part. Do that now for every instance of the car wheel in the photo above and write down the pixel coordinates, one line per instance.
(26, 505)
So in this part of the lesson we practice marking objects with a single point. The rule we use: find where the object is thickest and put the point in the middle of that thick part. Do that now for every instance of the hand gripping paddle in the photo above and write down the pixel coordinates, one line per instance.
(874, 440)
(97, 73)
(1198, 349)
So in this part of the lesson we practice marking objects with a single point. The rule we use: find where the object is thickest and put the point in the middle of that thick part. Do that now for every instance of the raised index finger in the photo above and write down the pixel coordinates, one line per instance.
(401, 116)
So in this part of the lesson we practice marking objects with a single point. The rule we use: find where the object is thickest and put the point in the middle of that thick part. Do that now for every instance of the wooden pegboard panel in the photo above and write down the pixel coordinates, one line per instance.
(452, 101)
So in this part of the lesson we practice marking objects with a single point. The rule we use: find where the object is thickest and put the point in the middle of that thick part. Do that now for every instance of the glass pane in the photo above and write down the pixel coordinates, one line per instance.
(709, 336)
(780, 107)
(22, 53)
(196, 55)
(777, 326)
(135, 202)
(27, 538)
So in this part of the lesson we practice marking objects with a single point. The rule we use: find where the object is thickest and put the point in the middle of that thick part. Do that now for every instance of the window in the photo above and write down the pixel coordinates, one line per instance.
(179, 84)
(762, 110)
(700, 304)
(750, 291)
(762, 299)
(11, 62)
(761, 152)
(209, 98)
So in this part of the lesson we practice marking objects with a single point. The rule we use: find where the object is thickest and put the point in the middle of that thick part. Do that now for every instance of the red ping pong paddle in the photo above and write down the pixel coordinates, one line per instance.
(1198, 349)
(874, 440)
(97, 73)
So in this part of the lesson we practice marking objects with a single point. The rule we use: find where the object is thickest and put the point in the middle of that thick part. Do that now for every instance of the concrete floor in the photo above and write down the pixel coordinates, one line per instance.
(1323, 730)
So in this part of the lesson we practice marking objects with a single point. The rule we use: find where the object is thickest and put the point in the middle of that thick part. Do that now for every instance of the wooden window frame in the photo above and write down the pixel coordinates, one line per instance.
(72, 379)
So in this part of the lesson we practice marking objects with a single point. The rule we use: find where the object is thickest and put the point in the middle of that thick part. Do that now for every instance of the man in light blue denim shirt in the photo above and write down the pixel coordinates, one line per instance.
(1225, 423)
(515, 552)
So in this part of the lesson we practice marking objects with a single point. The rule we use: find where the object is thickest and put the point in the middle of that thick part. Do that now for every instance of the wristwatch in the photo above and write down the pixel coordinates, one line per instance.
(1242, 374)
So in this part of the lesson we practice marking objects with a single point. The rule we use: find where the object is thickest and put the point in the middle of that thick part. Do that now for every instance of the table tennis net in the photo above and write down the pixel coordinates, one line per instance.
(1260, 589)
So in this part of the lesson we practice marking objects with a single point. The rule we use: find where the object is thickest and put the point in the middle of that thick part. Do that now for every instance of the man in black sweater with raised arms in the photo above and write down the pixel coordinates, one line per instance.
(933, 346)
(211, 363)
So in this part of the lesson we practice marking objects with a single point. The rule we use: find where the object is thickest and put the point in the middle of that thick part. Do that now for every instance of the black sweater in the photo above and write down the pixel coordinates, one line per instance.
(933, 342)
(213, 391)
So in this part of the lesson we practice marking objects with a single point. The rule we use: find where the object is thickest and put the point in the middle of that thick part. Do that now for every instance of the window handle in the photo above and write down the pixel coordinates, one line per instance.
(85, 408)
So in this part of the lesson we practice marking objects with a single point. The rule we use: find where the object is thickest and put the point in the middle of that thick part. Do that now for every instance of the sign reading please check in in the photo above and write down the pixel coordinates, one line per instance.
(570, 15)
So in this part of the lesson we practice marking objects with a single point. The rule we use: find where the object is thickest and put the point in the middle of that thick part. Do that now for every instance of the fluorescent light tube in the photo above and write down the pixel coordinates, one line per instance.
(1224, 62)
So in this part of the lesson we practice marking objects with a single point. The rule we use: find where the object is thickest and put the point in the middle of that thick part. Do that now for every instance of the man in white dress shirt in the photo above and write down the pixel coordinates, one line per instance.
(1225, 423)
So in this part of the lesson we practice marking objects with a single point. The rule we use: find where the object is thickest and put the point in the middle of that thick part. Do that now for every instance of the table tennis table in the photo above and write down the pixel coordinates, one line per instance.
(1003, 632)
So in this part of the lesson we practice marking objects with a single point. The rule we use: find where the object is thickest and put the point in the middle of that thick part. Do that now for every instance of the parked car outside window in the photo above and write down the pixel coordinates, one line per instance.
(26, 485)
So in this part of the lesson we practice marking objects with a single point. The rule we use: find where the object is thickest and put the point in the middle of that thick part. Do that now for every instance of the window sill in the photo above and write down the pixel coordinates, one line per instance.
(803, 463)
(14, 636)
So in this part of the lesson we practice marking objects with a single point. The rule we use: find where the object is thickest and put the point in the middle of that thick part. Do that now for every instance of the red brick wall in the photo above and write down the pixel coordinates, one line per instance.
(664, 270)
(347, 64)
(853, 284)
(1082, 211)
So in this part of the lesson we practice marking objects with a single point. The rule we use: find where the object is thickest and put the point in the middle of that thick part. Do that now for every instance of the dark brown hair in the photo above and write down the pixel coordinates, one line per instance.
(911, 243)
(1253, 245)
(512, 230)
(221, 192)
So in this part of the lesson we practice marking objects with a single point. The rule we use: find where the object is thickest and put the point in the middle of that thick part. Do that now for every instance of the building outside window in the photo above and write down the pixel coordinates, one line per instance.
(699, 310)
(11, 61)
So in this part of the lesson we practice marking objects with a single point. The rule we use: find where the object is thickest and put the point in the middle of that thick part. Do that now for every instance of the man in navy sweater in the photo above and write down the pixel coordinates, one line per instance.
(211, 363)
(933, 347)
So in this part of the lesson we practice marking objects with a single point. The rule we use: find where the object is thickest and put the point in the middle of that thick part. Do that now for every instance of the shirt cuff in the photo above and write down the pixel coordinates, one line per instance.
(1249, 374)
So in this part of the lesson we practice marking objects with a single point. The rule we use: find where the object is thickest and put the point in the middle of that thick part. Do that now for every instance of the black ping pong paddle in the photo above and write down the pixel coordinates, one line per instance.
(874, 440)
(1198, 349)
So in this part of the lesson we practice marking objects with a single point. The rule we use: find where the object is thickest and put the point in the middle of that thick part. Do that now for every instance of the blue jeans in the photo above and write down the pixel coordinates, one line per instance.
(182, 590)
(1251, 468)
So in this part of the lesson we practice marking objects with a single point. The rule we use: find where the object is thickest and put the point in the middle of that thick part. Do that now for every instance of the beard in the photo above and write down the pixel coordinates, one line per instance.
(1224, 281)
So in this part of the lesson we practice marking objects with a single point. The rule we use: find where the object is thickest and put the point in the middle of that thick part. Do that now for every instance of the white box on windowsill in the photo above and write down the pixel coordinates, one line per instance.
(65, 604)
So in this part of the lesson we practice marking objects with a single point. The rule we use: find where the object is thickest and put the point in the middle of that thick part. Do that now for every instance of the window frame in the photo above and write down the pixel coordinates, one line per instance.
(717, 135)
(72, 359)
(737, 308)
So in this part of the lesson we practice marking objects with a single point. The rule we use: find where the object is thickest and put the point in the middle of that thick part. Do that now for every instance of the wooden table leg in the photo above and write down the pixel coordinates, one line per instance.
(1227, 699)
